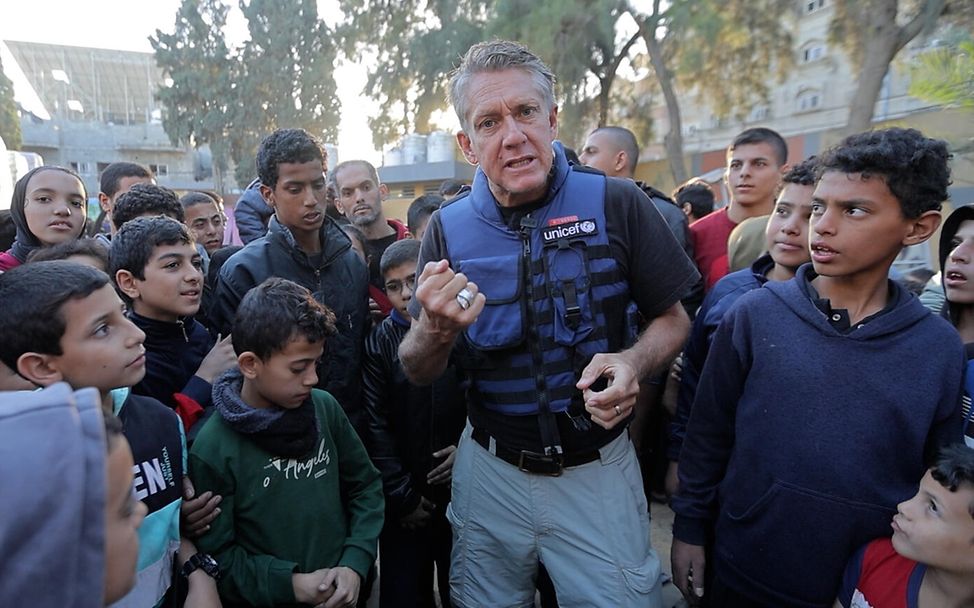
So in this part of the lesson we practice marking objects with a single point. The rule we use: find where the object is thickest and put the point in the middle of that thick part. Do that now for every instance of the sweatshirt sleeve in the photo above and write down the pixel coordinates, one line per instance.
(694, 357)
(362, 489)
(710, 431)
(377, 375)
(259, 580)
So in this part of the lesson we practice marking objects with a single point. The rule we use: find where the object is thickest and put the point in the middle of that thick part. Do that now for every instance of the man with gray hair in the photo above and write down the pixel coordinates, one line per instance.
(531, 283)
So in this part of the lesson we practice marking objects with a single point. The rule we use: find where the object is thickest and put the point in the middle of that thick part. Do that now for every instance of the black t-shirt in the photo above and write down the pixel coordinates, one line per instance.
(376, 248)
(659, 275)
(839, 317)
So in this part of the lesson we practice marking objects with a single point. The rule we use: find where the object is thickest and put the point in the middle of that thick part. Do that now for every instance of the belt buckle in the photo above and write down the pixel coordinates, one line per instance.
(540, 464)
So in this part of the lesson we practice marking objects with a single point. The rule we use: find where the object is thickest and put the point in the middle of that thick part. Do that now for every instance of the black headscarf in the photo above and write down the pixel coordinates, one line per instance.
(26, 241)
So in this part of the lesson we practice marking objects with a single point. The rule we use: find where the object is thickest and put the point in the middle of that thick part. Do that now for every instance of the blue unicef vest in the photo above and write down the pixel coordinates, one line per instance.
(555, 295)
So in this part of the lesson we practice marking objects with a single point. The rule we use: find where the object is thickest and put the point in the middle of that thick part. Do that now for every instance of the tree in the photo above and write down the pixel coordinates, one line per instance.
(196, 60)
(231, 98)
(871, 33)
(578, 41)
(415, 44)
(729, 46)
(946, 75)
(9, 117)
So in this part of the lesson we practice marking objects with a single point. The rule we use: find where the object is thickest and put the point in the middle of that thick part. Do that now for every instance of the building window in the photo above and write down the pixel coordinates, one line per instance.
(810, 6)
(83, 168)
(159, 170)
(759, 113)
(808, 100)
(813, 51)
(408, 191)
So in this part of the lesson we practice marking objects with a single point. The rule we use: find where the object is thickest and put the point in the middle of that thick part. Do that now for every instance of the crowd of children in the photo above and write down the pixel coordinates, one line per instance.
(259, 432)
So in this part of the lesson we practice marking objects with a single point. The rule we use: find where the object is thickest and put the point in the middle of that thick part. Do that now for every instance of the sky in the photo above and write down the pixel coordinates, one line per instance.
(127, 24)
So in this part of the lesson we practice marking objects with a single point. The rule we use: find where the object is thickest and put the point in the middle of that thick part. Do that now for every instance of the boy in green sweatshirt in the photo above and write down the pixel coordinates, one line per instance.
(302, 504)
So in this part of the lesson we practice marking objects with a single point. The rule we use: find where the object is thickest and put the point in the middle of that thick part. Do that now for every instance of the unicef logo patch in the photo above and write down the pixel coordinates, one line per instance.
(588, 227)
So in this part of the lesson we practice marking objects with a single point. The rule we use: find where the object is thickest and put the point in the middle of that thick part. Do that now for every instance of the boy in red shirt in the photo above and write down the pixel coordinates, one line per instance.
(756, 160)
(930, 559)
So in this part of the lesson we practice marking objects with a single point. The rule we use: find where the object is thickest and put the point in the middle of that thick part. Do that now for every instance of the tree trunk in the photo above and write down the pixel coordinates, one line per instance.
(673, 141)
(883, 39)
(879, 48)
(605, 86)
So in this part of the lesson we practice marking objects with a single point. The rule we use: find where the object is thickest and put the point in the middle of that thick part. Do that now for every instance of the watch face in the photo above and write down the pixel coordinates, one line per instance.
(209, 565)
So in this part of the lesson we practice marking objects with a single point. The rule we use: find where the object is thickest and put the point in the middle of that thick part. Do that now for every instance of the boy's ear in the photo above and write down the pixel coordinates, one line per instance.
(267, 193)
(923, 227)
(39, 369)
(126, 282)
(249, 364)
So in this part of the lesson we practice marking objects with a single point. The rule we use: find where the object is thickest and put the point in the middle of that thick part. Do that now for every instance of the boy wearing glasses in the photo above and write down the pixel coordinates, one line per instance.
(411, 436)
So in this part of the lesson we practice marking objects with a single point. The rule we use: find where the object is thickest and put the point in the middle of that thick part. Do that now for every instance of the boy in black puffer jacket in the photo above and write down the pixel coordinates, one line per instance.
(411, 436)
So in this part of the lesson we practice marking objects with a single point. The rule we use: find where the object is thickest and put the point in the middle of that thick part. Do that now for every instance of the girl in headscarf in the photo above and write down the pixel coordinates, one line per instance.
(49, 206)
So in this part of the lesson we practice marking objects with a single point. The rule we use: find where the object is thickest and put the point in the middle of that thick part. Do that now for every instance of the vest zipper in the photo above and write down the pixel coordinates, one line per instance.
(550, 437)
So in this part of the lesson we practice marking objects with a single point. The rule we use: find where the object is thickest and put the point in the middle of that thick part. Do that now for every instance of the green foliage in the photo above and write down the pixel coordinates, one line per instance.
(9, 118)
(577, 39)
(721, 50)
(945, 75)
(855, 22)
(196, 58)
(415, 45)
(725, 51)
(231, 98)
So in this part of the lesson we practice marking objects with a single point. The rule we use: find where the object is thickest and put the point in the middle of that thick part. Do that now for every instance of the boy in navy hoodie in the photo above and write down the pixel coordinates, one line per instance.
(156, 266)
(807, 430)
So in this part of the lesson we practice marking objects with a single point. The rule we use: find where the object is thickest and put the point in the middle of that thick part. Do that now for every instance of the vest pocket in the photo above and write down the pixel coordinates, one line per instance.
(501, 324)
(568, 285)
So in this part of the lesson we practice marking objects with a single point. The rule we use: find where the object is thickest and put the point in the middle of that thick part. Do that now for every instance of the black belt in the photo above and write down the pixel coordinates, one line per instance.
(534, 462)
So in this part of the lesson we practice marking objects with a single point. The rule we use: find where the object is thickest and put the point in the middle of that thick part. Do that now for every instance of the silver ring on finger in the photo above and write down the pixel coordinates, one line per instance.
(618, 411)
(464, 298)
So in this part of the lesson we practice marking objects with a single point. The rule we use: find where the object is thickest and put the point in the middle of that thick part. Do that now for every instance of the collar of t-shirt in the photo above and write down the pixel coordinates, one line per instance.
(512, 215)
(838, 318)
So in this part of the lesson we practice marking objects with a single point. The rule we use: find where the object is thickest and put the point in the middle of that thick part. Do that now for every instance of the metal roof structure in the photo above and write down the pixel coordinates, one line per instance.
(91, 85)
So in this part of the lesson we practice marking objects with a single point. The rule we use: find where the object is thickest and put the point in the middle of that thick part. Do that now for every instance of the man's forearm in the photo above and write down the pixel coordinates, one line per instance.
(424, 353)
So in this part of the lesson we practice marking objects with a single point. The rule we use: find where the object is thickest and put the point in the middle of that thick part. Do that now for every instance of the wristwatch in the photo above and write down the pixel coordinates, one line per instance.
(203, 561)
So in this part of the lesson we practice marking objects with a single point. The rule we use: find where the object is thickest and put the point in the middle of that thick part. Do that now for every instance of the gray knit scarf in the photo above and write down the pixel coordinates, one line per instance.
(282, 432)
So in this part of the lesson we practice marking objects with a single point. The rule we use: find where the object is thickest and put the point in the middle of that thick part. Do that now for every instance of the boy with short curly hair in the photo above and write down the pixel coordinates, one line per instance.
(806, 431)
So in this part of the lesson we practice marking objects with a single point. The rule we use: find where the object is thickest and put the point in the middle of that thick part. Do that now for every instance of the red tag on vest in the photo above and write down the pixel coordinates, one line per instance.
(563, 220)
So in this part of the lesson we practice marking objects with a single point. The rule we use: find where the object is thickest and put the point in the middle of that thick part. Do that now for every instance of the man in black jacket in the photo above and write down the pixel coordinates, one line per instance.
(304, 246)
